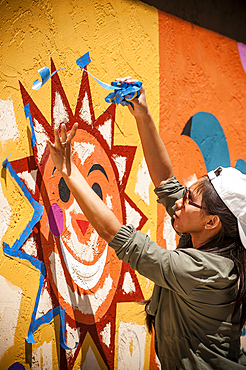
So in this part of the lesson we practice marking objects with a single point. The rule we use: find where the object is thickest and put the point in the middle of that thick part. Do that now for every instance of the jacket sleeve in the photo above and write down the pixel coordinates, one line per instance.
(168, 193)
(175, 270)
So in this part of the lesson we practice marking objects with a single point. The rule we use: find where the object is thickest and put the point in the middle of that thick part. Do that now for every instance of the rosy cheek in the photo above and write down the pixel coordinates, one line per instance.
(55, 218)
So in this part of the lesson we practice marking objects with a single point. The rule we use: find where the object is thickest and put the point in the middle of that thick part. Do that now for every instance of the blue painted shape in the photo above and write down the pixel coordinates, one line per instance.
(17, 366)
(28, 115)
(241, 166)
(84, 60)
(206, 131)
(14, 251)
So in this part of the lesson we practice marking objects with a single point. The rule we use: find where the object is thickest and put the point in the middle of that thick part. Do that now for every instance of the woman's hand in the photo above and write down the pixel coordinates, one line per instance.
(140, 104)
(61, 149)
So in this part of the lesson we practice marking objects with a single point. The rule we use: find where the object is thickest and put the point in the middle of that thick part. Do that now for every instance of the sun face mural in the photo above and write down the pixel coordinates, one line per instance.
(81, 280)
(91, 266)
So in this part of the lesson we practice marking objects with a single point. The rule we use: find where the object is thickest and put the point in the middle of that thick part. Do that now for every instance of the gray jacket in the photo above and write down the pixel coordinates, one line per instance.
(192, 300)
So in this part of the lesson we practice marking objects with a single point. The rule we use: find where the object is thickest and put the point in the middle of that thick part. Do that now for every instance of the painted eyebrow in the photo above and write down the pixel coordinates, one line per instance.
(97, 167)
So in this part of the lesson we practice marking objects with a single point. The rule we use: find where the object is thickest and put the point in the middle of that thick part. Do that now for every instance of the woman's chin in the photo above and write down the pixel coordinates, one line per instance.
(178, 228)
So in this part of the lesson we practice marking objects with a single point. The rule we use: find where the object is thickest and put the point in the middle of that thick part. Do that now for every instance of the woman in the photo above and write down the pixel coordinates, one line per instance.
(198, 303)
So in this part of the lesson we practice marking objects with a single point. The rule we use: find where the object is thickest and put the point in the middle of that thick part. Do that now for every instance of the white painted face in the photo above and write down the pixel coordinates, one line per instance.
(83, 270)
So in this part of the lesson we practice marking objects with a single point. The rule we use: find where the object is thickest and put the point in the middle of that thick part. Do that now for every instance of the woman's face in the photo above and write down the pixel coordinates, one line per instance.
(188, 218)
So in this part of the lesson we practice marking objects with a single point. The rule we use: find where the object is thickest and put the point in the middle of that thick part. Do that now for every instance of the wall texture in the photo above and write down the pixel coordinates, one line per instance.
(66, 302)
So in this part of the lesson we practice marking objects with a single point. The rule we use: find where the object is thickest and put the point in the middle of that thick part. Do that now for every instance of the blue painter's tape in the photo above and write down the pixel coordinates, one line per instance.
(103, 84)
(62, 332)
(45, 76)
(14, 251)
(84, 60)
(124, 92)
(38, 209)
(28, 115)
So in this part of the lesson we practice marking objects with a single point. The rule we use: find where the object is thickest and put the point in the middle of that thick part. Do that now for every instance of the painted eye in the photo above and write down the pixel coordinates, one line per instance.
(97, 189)
(64, 192)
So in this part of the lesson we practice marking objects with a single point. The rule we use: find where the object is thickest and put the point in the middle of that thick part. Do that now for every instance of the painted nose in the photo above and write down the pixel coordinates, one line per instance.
(83, 225)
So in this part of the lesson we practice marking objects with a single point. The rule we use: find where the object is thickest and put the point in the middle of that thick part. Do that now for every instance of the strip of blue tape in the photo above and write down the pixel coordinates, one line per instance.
(14, 251)
(28, 115)
(123, 93)
(84, 60)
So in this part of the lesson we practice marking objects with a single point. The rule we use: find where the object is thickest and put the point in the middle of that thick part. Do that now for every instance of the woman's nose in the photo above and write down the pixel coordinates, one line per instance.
(179, 203)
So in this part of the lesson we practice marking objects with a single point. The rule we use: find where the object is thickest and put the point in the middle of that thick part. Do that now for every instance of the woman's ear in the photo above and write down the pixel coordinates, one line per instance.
(213, 222)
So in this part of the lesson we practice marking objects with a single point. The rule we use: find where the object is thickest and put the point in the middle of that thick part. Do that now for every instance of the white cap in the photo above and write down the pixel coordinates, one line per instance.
(230, 184)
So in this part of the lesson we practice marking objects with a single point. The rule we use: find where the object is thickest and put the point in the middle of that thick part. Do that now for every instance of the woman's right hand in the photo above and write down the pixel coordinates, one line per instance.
(61, 149)
(140, 104)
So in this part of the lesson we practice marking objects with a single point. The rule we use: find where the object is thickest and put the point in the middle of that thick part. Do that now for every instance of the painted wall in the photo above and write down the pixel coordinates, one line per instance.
(61, 285)
(66, 302)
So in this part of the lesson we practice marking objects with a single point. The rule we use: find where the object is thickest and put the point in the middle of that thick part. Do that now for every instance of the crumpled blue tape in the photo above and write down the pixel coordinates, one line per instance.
(15, 251)
(124, 92)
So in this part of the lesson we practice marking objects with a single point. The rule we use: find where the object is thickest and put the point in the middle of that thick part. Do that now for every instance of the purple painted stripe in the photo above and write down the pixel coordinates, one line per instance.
(242, 53)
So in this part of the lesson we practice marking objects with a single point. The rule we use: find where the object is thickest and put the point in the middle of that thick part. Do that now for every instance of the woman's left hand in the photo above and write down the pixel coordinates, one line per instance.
(61, 149)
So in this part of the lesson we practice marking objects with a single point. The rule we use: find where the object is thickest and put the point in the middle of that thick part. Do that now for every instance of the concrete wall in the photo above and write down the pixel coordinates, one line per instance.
(66, 302)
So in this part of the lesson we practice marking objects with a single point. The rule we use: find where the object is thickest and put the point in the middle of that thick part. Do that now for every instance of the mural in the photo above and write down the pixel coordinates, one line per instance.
(202, 104)
(66, 302)
(80, 276)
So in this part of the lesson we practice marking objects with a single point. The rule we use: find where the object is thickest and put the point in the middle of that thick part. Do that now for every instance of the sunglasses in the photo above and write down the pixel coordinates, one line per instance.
(186, 200)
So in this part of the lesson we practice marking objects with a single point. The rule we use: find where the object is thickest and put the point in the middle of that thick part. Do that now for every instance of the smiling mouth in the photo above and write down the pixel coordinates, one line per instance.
(85, 276)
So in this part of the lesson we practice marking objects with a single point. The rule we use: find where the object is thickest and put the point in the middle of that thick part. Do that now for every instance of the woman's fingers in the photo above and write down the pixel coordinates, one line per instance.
(57, 138)
(61, 140)
(72, 132)
(122, 79)
(63, 134)
(49, 143)
(128, 79)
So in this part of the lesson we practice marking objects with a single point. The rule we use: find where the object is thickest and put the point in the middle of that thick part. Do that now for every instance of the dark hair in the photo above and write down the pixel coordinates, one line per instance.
(227, 242)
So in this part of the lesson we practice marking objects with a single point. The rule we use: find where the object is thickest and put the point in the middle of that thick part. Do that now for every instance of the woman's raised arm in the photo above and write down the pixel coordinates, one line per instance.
(155, 153)
(97, 213)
